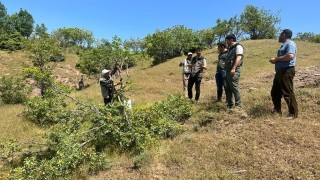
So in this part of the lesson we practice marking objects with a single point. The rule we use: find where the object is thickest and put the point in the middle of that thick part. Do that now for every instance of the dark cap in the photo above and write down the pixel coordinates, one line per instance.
(287, 33)
(232, 36)
(222, 43)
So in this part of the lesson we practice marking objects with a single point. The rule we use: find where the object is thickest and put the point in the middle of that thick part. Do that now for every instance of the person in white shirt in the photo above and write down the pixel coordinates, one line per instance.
(186, 72)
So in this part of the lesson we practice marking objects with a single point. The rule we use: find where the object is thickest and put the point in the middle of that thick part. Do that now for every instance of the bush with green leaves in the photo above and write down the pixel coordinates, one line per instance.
(78, 138)
(141, 127)
(13, 90)
(46, 111)
(11, 41)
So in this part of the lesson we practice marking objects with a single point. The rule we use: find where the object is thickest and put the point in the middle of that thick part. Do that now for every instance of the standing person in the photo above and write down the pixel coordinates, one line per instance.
(106, 85)
(116, 71)
(198, 64)
(186, 72)
(81, 83)
(285, 71)
(233, 70)
(221, 73)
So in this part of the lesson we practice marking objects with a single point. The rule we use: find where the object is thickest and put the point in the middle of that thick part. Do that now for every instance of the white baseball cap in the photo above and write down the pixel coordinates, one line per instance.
(104, 71)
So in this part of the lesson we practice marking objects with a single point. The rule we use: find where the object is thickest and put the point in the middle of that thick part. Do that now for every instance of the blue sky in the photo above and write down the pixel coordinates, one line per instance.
(136, 19)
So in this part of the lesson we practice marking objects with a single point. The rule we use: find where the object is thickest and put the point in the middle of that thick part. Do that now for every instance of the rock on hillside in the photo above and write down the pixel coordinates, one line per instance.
(306, 76)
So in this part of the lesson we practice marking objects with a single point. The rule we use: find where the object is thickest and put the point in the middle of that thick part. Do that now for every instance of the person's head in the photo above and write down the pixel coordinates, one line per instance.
(284, 35)
(105, 73)
(189, 55)
(222, 46)
(230, 39)
(198, 51)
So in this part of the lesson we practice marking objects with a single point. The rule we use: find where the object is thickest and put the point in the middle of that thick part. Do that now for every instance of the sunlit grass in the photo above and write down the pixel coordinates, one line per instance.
(218, 144)
(14, 127)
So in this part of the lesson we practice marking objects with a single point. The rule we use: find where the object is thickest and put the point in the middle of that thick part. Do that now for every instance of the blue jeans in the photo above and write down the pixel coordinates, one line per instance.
(221, 82)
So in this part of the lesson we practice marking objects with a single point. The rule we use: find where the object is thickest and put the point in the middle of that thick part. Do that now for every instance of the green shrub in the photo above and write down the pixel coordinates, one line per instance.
(13, 91)
(46, 111)
(78, 138)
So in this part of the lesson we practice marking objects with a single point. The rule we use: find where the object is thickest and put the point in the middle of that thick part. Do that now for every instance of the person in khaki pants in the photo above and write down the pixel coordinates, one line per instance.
(186, 73)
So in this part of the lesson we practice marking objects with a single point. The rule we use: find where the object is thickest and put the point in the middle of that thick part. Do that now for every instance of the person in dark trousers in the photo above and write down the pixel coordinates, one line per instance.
(285, 71)
(221, 73)
(106, 85)
(233, 69)
(198, 65)
(81, 83)
(186, 72)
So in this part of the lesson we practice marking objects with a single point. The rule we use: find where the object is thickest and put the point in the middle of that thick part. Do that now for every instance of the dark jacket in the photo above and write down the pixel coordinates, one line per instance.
(231, 57)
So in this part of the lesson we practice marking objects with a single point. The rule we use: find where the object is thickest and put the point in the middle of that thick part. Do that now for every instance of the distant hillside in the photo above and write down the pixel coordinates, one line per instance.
(218, 144)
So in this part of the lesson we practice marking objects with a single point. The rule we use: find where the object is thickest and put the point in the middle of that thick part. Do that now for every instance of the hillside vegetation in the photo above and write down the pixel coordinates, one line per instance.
(218, 144)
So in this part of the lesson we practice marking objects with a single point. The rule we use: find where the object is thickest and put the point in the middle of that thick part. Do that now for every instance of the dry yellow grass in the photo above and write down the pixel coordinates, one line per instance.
(261, 146)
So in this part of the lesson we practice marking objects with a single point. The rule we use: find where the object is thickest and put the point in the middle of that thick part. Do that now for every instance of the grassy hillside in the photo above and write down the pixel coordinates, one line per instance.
(219, 143)
(226, 145)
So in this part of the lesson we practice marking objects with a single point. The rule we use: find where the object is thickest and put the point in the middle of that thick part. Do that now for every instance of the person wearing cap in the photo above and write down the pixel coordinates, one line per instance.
(198, 65)
(186, 72)
(233, 69)
(285, 71)
(106, 85)
(221, 73)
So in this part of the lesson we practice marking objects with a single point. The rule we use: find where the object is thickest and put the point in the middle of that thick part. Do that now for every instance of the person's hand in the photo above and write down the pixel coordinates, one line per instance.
(232, 72)
(272, 60)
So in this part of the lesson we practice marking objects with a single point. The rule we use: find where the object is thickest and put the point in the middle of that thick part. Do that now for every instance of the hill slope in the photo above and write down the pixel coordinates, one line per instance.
(218, 144)
(225, 145)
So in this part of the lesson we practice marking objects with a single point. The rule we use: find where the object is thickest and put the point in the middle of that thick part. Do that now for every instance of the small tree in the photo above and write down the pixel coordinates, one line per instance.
(23, 22)
(93, 60)
(40, 52)
(13, 91)
(74, 37)
(205, 38)
(159, 45)
(3, 14)
(259, 24)
(41, 31)
(221, 29)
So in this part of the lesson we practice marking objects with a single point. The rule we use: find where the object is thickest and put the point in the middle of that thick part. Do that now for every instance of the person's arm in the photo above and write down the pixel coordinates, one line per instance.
(204, 65)
(181, 63)
(286, 57)
(236, 63)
